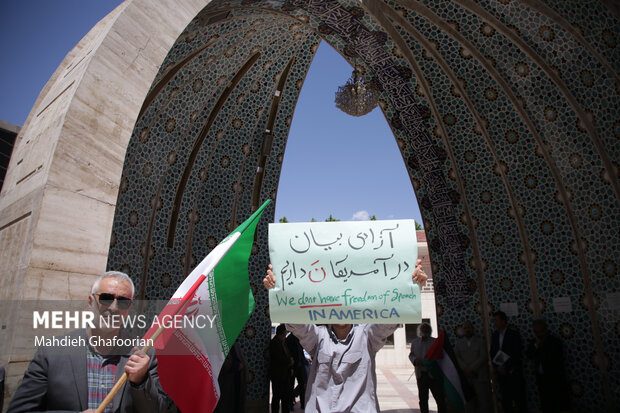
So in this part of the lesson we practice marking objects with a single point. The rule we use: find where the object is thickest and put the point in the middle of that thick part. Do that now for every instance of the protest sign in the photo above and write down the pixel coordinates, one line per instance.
(344, 272)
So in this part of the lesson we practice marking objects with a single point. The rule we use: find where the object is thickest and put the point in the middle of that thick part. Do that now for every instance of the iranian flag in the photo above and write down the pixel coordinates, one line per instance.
(441, 363)
(217, 297)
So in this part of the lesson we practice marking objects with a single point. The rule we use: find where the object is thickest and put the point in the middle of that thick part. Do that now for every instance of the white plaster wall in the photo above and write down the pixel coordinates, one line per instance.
(57, 203)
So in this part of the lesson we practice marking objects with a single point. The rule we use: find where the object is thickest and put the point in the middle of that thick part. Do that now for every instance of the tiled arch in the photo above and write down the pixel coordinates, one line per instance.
(505, 112)
(506, 115)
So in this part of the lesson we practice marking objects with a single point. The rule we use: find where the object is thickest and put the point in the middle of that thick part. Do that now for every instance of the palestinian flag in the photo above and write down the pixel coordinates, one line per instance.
(441, 363)
(217, 293)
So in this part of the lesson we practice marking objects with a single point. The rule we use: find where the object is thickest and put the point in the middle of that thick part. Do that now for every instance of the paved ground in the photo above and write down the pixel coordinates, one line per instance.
(397, 390)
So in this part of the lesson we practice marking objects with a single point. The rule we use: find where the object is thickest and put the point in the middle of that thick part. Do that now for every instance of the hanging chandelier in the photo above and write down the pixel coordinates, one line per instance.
(356, 97)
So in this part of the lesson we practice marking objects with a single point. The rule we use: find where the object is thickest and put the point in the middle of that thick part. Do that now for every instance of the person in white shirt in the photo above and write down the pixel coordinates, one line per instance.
(342, 376)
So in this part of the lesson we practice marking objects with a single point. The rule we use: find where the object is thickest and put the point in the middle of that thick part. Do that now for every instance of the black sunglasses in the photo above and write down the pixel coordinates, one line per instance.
(106, 300)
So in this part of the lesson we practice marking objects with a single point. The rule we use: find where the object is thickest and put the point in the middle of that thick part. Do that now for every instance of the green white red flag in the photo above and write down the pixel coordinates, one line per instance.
(218, 289)
(441, 363)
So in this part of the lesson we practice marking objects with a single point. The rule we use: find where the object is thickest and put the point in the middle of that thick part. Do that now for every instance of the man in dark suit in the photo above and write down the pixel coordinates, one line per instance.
(78, 377)
(506, 357)
(280, 372)
(547, 353)
(300, 369)
(232, 380)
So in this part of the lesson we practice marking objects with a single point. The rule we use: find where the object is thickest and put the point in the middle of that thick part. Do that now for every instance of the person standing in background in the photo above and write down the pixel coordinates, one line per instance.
(232, 380)
(425, 381)
(547, 354)
(506, 357)
(280, 372)
(300, 369)
(471, 353)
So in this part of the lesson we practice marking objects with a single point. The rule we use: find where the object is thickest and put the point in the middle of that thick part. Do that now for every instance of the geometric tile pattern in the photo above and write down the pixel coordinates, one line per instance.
(506, 115)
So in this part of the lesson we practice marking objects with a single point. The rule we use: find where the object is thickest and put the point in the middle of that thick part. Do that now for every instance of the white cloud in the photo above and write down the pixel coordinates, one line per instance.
(361, 216)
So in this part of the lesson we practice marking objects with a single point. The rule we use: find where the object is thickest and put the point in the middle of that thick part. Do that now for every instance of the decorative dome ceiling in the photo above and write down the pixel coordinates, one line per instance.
(506, 115)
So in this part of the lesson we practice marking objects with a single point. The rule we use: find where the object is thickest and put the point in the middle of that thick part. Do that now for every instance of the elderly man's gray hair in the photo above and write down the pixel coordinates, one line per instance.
(117, 275)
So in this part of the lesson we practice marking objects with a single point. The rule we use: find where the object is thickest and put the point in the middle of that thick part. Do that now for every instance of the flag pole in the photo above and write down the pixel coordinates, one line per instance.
(184, 302)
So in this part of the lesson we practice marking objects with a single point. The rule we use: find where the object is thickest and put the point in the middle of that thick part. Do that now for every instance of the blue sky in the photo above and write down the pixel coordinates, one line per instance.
(334, 163)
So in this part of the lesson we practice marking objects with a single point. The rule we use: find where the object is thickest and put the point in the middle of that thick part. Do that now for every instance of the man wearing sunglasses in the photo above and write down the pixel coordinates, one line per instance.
(78, 378)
